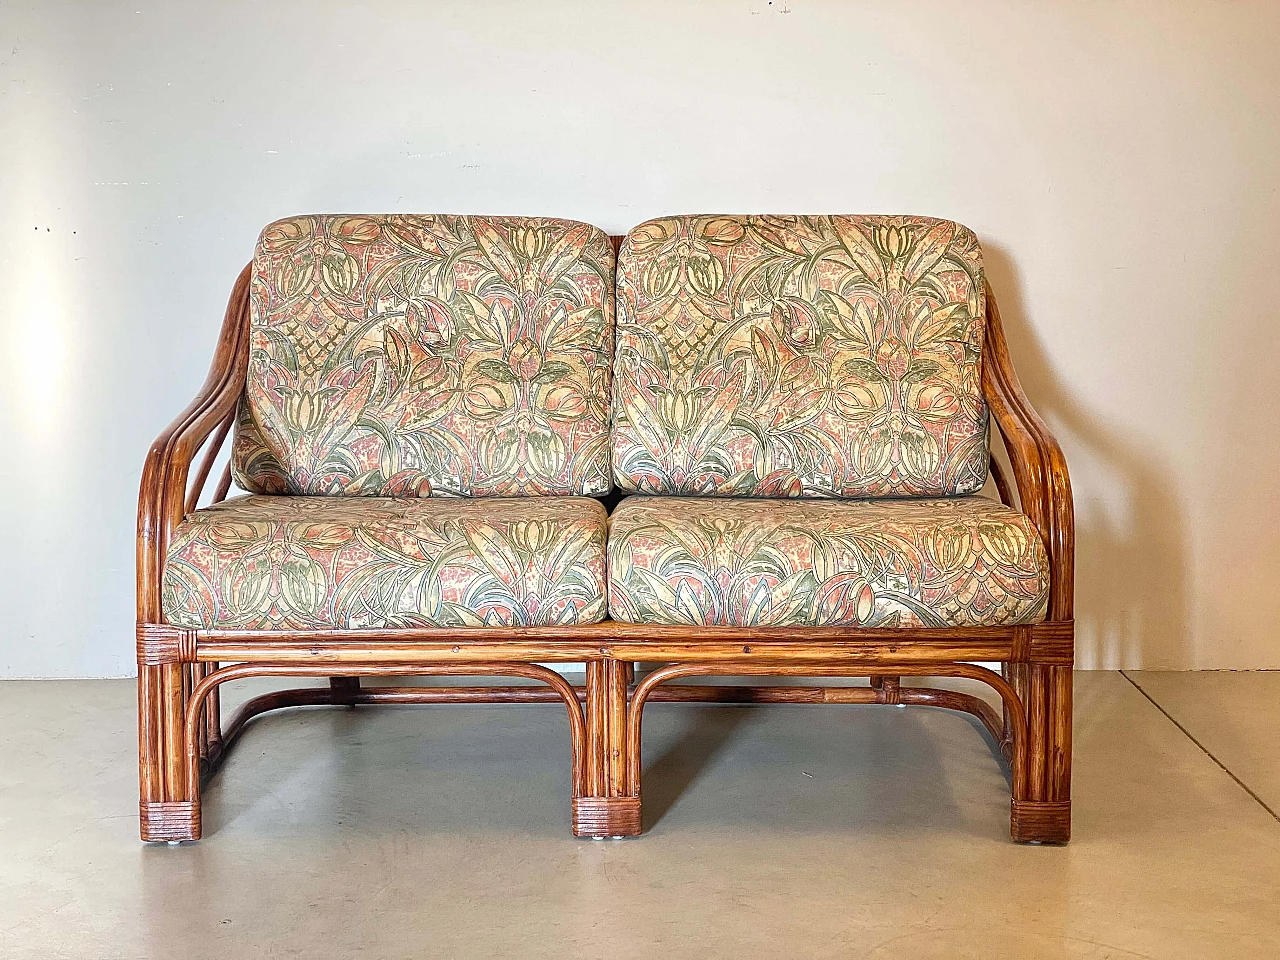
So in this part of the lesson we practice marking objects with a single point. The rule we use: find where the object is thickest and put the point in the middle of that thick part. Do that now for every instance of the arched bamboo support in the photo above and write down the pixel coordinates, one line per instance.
(1013, 706)
(241, 671)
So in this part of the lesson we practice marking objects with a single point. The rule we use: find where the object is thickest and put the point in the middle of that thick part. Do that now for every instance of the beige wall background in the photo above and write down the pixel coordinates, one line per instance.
(1119, 160)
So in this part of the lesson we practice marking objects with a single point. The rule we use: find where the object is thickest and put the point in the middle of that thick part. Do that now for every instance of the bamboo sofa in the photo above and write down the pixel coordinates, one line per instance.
(430, 413)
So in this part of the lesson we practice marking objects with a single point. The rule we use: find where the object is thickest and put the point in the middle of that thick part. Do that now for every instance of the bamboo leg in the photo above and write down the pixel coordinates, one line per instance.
(213, 719)
(1043, 815)
(890, 689)
(344, 690)
(606, 810)
(1006, 730)
(193, 673)
(167, 808)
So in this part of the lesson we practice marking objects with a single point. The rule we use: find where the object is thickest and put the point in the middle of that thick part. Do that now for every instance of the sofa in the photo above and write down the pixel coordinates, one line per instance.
(720, 446)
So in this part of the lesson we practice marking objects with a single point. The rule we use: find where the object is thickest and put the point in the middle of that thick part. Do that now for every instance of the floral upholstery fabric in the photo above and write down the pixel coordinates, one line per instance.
(428, 355)
(833, 356)
(261, 563)
(960, 561)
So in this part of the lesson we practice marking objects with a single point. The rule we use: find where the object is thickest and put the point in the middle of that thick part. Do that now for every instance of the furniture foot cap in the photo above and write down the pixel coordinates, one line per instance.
(1041, 821)
(601, 817)
(169, 822)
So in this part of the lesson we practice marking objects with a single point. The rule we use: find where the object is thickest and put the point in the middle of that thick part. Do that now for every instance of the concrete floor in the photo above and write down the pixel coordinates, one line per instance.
(779, 832)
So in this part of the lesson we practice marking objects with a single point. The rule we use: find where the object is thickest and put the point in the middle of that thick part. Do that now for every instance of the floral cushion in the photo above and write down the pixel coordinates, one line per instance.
(261, 563)
(961, 561)
(834, 356)
(428, 355)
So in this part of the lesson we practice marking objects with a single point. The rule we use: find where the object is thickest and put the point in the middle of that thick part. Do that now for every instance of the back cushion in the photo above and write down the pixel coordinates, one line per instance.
(834, 356)
(428, 356)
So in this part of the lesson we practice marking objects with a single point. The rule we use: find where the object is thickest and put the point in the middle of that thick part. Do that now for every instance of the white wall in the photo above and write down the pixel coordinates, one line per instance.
(1119, 160)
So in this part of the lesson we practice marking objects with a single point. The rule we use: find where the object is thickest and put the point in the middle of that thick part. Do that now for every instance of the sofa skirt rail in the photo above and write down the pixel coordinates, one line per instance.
(1049, 643)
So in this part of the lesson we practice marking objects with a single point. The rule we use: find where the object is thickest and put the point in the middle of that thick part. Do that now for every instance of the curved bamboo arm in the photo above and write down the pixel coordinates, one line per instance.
(211, 449)
(1002, 482)
(1039, 467)
(162, 494)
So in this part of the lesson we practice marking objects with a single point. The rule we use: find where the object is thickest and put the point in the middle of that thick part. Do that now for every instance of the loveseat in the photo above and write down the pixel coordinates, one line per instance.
(743, 446)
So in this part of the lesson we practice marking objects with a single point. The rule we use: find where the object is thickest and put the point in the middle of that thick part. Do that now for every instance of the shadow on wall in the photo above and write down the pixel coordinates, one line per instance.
(1131, 564)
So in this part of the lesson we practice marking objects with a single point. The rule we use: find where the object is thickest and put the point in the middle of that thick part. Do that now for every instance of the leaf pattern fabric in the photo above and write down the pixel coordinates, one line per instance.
(299, 563)
(955, 562)
(800, 356)
(428, 355)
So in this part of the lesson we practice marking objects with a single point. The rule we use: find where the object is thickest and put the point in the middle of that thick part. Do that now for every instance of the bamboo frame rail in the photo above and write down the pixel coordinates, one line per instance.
(181, 734)
(667, 693)
(193, 720)
(1043, 643)
(888, 691)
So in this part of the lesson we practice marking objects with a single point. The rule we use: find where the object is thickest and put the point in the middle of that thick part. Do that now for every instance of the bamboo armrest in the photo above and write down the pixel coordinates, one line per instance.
(1039, 467)
(162, 493)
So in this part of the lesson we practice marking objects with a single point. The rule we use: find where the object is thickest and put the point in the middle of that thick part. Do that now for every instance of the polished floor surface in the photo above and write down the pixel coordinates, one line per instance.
(773, 831)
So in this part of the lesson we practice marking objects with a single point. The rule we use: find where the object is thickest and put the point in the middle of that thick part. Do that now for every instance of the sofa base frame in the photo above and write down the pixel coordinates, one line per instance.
(184, 738)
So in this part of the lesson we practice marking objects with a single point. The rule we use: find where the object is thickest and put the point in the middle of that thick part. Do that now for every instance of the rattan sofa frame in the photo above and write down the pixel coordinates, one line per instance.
(181, 736)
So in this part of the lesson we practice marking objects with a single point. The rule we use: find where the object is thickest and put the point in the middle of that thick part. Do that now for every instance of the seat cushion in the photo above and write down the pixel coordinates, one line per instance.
(833, 356)
(422, 355)
(261, 563)
(961, 561)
